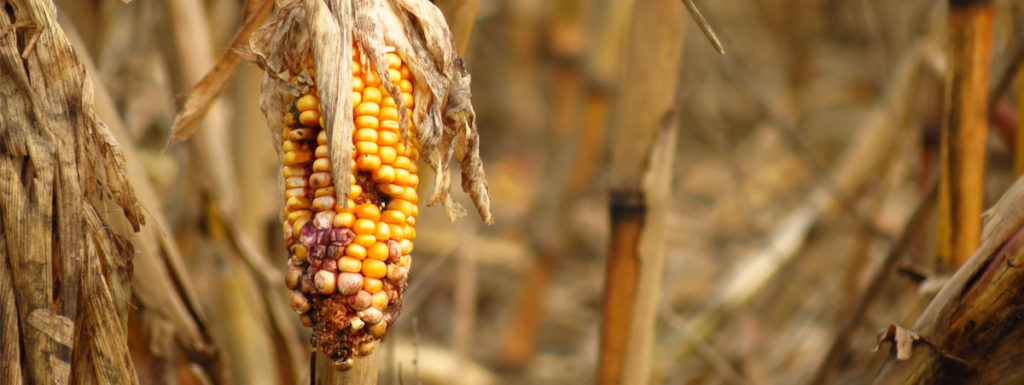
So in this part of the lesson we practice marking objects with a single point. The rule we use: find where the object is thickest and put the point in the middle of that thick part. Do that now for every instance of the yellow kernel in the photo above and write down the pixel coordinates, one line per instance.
(367, 108)
(295, 192)
(355, 191)
(344, 219)
(320, 180)
(365, 134)
(298, 223)
(383, 232)
(384, 174)
(321, 151)
(309, 118)
(296, 203)
(364, 147)
(299, 134)
(389, 113)
(410, 195)
(294, 182)
(403, 162)
(322, 164)
(411, 221)
(294, 216)
(364, 226)
(306, 102)
(357, 97)
(414, 181)
(404, 70)
(412, 166)
(321, 137)
(291, 145)
(406, 246)
(372, 95)
(365, 240)
(355, 251)
(409, 231)
(374, 268)
(388, 138)
(373, 285)
(293, 158)
(407, 99)
(394, 61)
(401, 205)
(320, 192)
(367, 121)
(323, 203)
(405, 85)
(405, 260)
(388, 102)
(367, 162)
(290, 171)
(378, 251)
(394, 75)
(368, 211)
(387, 154)
(392, 216)
(390, 189)
(357, 83)
(379, 300)
(300, 252)
(389, 125)
(402, 177)
(396, 232)
(349, 265)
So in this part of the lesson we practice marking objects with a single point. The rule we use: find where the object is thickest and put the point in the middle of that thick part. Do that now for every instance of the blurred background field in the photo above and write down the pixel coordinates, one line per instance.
(801, 155)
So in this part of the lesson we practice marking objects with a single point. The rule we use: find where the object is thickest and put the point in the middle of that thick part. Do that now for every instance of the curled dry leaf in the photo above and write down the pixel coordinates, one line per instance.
(416, 31)
(902, 339)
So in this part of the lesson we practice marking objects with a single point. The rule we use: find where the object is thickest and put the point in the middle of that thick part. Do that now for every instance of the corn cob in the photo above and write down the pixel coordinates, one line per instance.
(349, 261)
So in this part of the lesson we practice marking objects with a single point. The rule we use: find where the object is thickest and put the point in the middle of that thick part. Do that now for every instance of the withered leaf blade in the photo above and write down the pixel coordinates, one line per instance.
(201, 97)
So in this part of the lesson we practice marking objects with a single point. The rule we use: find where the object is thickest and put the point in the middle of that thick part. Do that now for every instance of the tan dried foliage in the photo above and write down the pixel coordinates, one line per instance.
(417, 31)
(66, 211)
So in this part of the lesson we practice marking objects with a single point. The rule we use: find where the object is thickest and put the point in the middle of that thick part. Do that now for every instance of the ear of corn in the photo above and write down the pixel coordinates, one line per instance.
(349, 261)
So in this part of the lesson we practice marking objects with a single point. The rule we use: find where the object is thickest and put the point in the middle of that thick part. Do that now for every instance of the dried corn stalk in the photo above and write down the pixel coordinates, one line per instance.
(359, 90)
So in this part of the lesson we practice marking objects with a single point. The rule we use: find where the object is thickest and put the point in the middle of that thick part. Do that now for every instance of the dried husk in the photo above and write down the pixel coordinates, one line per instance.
(417, 31)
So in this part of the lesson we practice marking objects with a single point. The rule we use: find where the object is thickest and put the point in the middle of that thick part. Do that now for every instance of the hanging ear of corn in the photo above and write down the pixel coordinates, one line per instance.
(349, 260)
(353, 121)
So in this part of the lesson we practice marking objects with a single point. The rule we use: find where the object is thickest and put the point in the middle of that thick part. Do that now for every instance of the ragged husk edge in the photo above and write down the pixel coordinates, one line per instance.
(418, 32)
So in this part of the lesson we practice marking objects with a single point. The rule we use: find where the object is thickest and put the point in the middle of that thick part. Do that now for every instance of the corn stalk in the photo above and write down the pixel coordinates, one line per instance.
(643, 141)
(66, 214)
(962, 151)
(971, 332)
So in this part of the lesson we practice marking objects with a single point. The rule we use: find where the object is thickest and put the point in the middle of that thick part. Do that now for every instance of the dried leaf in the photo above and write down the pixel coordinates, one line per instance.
(58, 327)
(62, 170)
(903, 340)
(202, 95)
